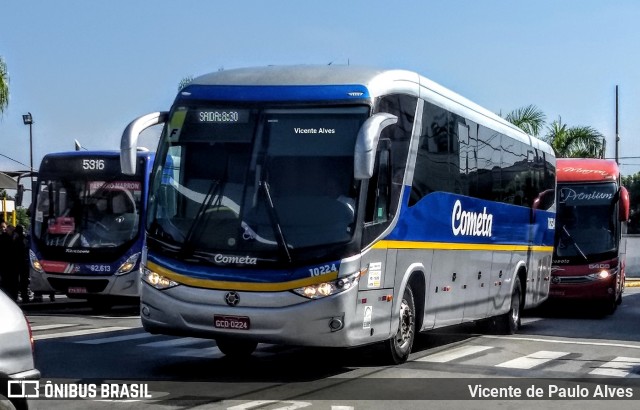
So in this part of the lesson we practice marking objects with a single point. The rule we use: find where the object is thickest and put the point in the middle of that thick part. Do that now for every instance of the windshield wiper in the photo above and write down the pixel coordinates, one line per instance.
(275, 222)
(206, 203)
(573, 242)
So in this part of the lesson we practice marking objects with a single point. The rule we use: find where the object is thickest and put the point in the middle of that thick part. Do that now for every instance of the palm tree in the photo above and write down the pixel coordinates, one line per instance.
(4, 86)
(529, 119)
(185, 82)
(575, 142)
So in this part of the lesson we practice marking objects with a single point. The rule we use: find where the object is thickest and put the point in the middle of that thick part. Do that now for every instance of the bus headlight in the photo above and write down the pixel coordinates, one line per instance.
(603, 274)
(129, 264)
(35, 263)
(156, 280)
(325, 289)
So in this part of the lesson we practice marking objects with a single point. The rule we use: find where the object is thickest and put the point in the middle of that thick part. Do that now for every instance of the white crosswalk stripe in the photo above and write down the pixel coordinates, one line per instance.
(618, 367)
(81, 332)
(532, 360)
(114, 339)
(183, 341)
(453, 354)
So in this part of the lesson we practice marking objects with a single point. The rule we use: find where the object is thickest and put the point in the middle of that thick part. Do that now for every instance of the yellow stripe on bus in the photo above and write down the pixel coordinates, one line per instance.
(459, 246)
(248, 286)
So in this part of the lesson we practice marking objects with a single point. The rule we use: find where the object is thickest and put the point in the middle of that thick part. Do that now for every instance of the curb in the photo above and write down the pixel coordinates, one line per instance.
(632, 283)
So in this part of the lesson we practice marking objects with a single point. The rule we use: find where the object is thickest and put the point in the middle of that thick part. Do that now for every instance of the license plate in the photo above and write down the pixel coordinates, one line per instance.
(231, 322)
(556, 293)
(77, 290)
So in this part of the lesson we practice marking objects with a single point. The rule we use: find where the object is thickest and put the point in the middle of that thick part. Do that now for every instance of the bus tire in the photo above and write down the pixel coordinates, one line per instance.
(236, 348)
(509, 323)
(400, 344)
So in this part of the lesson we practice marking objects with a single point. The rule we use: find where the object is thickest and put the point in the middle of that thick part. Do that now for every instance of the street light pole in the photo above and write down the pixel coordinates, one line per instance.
(28, 120)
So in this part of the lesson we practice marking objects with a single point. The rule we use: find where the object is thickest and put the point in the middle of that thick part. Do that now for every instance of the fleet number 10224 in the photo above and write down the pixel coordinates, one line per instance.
(93, 164)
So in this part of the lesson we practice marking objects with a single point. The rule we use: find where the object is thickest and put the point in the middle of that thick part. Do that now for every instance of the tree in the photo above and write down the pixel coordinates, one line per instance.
(4, 86)
(529, 119)
(575, 142)
(567, 142)
(184, 82)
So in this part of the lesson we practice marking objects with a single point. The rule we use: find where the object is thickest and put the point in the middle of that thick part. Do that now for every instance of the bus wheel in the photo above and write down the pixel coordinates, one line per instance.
(399, 346)
(509, 323)
(236, 348)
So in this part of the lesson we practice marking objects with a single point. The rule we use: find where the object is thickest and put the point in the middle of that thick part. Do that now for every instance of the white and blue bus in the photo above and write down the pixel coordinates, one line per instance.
(339, 206)
(87, 226)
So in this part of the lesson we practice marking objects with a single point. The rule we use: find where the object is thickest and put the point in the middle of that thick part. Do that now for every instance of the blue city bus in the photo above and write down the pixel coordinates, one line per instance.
(87, 229)
(339, 206)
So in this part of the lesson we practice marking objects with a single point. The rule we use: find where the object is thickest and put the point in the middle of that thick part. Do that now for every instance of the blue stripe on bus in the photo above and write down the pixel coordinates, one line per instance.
(241, 93)
(431, 220)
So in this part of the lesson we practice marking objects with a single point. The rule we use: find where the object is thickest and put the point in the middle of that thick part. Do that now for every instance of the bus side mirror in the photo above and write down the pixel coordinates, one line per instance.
(367, 143)
(129, 140)
(544, 200)
(623, 208)
(19, 195)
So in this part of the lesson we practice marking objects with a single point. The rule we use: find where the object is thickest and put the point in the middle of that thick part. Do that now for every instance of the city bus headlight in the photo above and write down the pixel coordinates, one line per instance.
(35, 263)
(129, 264)
(325, 289)
(156, 280)
(603, 274)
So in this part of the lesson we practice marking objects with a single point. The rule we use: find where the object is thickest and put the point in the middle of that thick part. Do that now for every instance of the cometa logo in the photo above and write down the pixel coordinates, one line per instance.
(241, 260)
(470, 223)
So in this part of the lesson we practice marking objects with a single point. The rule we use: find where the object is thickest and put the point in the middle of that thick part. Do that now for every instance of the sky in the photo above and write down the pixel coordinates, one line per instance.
(85, 69)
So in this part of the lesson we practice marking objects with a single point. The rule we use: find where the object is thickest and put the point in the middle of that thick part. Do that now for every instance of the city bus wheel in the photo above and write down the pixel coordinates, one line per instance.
(236, 348)
(510, 321)
(399, 346)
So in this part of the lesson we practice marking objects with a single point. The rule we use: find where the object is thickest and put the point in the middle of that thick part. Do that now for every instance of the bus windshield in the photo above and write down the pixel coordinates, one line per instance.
(255, 180)
(75, 211)
(586, 221)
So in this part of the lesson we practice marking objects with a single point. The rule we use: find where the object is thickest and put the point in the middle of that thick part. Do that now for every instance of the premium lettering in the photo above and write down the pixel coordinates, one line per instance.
(469, 223)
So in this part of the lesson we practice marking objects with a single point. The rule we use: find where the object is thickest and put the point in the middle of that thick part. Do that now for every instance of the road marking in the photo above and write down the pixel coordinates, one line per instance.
(208, 352)
(49, 327)
(175, 342)
(572, 342)
(618, 367)
(532, 360)
(114, 339)
(288, 405)
(456, 353)
(80, 332)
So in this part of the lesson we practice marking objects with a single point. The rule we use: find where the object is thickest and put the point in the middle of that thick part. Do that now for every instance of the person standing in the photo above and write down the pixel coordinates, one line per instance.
(20, 257)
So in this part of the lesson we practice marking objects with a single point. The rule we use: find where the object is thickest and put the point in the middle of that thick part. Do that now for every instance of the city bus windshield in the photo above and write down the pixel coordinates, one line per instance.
(269, 181)
(586, 221)
(96, 211)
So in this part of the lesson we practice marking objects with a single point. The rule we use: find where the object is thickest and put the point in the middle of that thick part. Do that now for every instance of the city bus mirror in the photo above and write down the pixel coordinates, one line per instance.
(19, 195)
(129, 140)
(623, 207)
(367, 142)
(544, 200)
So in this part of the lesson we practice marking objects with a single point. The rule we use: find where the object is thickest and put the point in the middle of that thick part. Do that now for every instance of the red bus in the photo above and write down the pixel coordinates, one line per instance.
(589, 250)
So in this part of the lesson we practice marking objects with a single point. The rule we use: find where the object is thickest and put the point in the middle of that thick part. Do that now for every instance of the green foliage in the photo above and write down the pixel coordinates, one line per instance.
(4, 86)
(530, 119)
(567, 142)
(632, 183)
(185, 82)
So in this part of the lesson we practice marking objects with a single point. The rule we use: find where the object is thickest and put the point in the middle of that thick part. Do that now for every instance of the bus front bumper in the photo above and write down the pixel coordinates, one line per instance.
(574, 288)
(85, 286)
(189, 311)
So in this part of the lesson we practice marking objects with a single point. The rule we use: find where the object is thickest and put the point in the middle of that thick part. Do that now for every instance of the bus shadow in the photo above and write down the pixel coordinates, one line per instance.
(585, 320)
